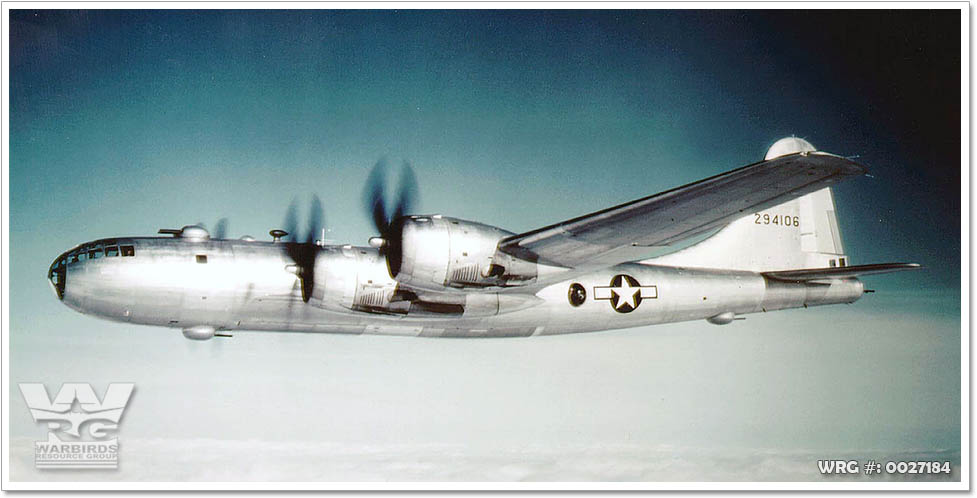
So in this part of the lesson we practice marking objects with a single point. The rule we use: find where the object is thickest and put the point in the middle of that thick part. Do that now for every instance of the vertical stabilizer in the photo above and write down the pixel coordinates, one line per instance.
(801, 233)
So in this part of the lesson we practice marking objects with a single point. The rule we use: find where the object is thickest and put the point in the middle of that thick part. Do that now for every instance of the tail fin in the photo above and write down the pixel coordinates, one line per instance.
(801, 233)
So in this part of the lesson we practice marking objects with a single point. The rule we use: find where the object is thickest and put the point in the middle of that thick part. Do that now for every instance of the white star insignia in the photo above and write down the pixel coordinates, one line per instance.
(626, 294)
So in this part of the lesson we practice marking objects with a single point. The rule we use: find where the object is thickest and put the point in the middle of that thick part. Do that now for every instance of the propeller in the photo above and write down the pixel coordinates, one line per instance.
(303, 252)
(389, 220)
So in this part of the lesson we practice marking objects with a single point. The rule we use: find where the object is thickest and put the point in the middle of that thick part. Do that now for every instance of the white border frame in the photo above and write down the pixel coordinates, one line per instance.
(965, 299)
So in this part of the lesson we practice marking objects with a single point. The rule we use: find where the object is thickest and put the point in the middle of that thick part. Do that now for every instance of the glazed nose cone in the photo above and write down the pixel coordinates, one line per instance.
(56, 276)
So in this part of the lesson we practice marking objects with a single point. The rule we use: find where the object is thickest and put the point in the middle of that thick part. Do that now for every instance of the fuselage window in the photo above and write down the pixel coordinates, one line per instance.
(128, 251)
(111, 251)
(201, 258)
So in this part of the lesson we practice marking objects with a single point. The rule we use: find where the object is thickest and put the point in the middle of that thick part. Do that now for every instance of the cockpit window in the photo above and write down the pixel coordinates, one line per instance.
(111, 251)
(128, 251)
(95, 253)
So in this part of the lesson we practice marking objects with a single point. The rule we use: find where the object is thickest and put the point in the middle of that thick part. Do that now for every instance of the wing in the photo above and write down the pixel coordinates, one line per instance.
(636, 229)
(839, 272)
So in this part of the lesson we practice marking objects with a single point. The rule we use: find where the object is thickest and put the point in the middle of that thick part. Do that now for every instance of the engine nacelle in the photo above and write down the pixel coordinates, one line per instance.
(357, 279)
(437, 251)
(352, 278)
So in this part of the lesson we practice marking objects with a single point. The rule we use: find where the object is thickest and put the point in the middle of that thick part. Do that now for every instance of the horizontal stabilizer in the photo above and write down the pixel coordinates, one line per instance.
(840, 272)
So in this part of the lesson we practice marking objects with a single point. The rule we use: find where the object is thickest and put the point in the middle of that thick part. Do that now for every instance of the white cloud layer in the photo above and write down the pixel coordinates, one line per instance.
(255, 460)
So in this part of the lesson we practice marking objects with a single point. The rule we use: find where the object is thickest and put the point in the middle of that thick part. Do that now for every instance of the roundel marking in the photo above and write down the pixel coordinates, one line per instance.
(625, 293)
(576, 294)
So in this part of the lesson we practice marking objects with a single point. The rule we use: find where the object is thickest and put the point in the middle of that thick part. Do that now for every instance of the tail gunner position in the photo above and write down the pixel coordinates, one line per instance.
(776, 245)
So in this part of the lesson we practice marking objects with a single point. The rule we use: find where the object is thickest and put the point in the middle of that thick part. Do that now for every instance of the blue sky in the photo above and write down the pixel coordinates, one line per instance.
(123, 122)
(493, 108)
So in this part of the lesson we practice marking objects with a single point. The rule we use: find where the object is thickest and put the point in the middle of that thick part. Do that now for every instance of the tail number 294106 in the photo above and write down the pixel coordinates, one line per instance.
(776, 219)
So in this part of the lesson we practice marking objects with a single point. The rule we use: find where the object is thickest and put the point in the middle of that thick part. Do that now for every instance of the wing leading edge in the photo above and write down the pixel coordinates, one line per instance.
(623, 233)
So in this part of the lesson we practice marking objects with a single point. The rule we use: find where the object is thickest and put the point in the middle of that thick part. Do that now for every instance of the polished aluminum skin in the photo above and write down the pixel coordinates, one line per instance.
(778, 246)
(222, 285)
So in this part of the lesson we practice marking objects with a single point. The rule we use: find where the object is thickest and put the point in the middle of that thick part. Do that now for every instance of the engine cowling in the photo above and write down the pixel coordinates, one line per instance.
(354, 278)
(357, 279)
(438, 251)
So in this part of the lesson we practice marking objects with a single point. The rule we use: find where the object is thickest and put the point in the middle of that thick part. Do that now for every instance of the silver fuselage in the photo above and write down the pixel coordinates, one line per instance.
(252, 285)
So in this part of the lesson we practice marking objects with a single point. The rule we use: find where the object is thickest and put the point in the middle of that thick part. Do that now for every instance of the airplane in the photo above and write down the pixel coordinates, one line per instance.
(759, 238)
